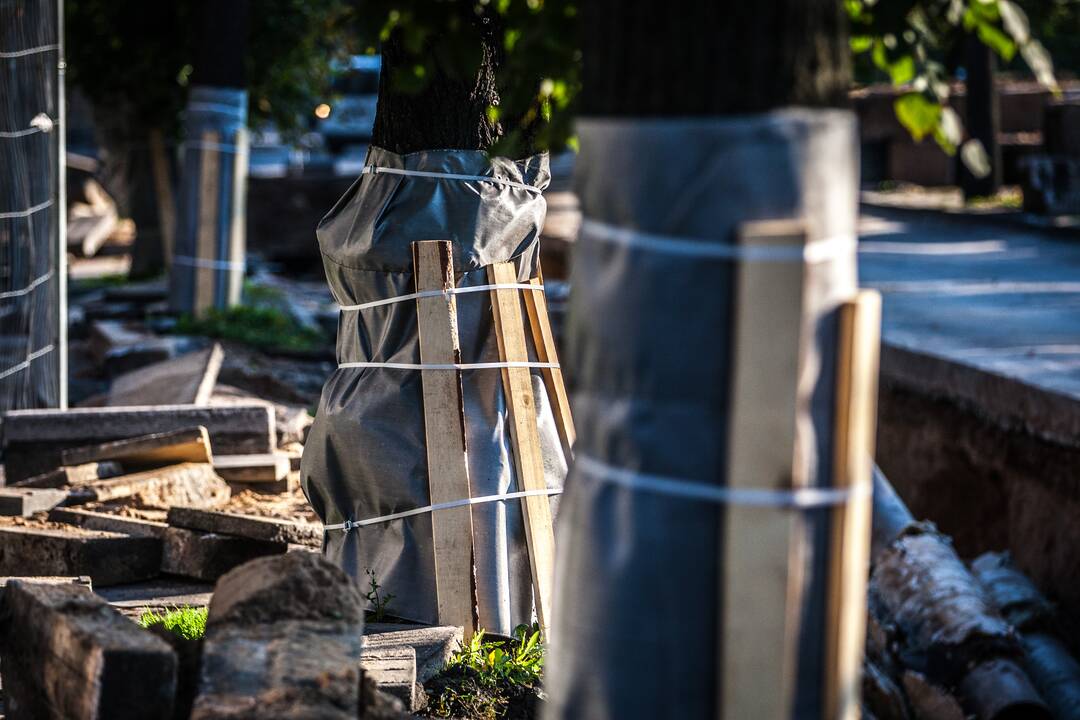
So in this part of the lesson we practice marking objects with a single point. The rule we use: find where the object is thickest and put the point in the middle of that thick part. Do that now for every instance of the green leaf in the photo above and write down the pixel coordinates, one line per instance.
(917, 114)
(996, 40)
(861, 43)
(902, 71)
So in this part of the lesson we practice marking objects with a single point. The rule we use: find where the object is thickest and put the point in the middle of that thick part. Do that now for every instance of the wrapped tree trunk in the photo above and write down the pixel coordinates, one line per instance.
(367, 468)
(697, 538)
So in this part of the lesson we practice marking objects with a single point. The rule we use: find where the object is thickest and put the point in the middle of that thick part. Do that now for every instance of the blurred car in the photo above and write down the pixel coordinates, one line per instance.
(350, 118)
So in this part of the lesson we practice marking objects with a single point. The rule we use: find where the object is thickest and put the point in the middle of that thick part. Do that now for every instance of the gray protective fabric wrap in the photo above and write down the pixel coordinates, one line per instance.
(365, 454)
(649, 338)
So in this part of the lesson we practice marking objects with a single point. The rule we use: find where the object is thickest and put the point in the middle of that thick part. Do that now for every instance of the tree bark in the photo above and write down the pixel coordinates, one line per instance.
(712, 58)
(449, 112)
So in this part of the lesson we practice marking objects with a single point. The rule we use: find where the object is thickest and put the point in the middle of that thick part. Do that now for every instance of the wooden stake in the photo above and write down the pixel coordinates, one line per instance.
(206, 239)
(521, 405)
(444, 429)
(238, 222)
(856, 409)
(159, 163)
(544, 340)
(759, 622)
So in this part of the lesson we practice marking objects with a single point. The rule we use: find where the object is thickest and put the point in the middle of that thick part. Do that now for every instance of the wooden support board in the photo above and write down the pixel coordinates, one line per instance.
(444, 429)
(521, 406)
(544, 340)
(238, 221)
(856, 416)
(206, 235)
(159, 164)
(759, 618)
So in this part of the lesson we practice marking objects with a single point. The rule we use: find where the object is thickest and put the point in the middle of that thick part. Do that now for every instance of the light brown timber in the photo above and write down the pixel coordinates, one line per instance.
(444, 432)
(544, 340)
(525, 436)
(206, 239)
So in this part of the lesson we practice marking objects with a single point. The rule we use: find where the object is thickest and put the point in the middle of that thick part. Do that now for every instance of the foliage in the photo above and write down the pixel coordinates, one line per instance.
(539, 74)
(187, 622)
(261, 327)
(489, 679)
(380, 602)
(910, 43)
(138, 57)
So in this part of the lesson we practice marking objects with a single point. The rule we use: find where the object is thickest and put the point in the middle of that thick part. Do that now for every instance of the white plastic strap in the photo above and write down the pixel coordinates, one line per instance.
(27, 212)
(804, 498)
(812, 252)
(33, 284)
(28, 51)
(350, 524)
(208, 263)
(19, 133)
(26, 363)
(440, 293)
(447, 366)
(377, 170)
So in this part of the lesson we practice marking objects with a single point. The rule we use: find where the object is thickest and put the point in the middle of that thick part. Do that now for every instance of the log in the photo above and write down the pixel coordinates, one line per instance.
(263, 468)
(108, 523)
(156, 449)
(73, 475)
(67, 655)
(185, 380)
(246, 526)
(108, 558)
(24, 502)
(34, 439)
(208, 556)
(192, 484)
(282, 641)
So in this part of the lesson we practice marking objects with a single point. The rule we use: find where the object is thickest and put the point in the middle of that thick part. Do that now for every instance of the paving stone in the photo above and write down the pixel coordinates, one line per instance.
(167, 448)
(249, 526)
(185, 380)
(108, 558)
(193, 484)
(433, 645)
(394, 671)
(208, 556)
(24, 502)
(110, 523)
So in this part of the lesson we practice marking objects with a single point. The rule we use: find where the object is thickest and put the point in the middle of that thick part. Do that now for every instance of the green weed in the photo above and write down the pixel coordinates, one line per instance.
(261, 327)
(379, 601)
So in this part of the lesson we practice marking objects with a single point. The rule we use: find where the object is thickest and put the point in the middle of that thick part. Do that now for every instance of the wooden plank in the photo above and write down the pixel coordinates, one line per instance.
(444, 433)
(238, 221)
(249, 526)
(849, 563)
(107, 522)
(544, 340)
(207, 228)
(759, 620)
(185, 380)
(69, 656)
(163, 189)
(109, 558)
(167, 448)
(525, 437)
(260, 468)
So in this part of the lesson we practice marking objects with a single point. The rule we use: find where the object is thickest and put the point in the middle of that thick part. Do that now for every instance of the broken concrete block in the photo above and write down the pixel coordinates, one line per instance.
(67, 655)
(83, 580)
(185, 380)
(262, 468)
(208, 556)
(108, 558)
(109, 335)
(73, 475)
(247, 526)
(194, 484)
(282, 641)
(24, 502)
(34, 439)
(91, 520)
(377, 705)
(145, 451)
(394, 671)
(433, 646)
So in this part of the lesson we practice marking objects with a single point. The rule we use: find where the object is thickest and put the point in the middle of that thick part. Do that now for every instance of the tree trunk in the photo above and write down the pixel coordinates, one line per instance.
(449, 112)
(712, 58)
(983, 117)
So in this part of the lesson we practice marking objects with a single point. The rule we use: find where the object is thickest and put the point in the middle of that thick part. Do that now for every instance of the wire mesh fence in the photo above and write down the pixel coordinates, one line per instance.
(32, 284)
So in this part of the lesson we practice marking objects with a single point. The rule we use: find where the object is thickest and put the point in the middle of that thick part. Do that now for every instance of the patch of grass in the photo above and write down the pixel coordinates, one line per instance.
(98, 283)
(261, 327)
(187, 622)
(491, 679)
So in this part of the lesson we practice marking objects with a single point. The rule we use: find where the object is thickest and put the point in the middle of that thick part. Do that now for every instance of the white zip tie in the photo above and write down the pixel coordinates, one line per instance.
(27, 212)
(440, 293)
(803, 498)
(378, 170)
(350, 524)
(448, 366)
(33, 284)
(26, 363)
(208, 263)
(812, 252)
(28, 51)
